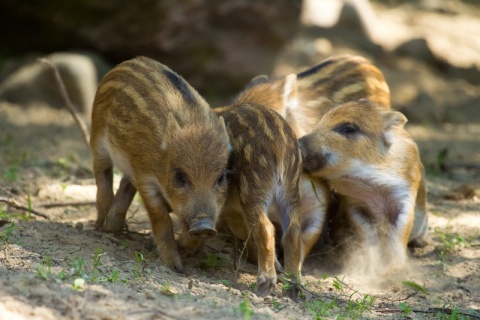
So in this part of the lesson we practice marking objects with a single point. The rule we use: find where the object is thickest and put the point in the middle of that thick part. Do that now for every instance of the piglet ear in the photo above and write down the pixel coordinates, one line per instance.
(223, 128)
(171, 128)
(393, 119)
(257, 80)
(290, 93)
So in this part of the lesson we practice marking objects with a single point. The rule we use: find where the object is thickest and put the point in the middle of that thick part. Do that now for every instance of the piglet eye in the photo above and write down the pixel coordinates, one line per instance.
(179, 178)
(221, 179)
(346, 129)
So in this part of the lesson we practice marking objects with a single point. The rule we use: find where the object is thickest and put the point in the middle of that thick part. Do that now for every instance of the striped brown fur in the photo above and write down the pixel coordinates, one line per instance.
(266, 167)
(171, 147)
(304, 98)
(308, 95)
(370, 160)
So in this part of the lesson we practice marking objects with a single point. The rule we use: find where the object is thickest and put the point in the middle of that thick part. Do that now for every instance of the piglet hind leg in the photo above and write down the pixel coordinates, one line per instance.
(121, 202)
(263, 233)
(162, 229)
(103, 171)
(293, 252)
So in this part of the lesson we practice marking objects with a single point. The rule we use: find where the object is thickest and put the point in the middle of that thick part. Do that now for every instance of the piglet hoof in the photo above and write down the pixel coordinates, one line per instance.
(114, 225)
(265, 285)
(100, 224)
(292, 292)
(173, 260)
(419, 243)
(181, 271)
(278, 266)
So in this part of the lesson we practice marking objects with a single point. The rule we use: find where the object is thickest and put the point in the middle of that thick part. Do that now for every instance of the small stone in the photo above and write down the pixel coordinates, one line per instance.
(149, 295)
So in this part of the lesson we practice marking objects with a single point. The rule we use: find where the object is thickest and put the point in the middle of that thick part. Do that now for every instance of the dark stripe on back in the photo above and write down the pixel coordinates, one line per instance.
(315, 69)
(342, 77)
(181, 86)
(136, 75)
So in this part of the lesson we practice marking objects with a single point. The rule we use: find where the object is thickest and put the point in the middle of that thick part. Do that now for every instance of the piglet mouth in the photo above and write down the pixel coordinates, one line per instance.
(313, 159)
(202, 227)
(314, 162)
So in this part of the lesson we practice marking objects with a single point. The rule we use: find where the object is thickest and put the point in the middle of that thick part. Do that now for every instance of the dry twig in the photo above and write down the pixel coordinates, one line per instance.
(14, 204)
(429, 310)
(81, 124)
(66, 204)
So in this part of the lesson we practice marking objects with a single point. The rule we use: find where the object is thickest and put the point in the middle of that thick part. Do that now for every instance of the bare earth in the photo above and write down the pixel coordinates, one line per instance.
(43, 160)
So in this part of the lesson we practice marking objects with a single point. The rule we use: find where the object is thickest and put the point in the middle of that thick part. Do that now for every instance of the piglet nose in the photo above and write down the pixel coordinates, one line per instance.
(204, 234)
(202, 228)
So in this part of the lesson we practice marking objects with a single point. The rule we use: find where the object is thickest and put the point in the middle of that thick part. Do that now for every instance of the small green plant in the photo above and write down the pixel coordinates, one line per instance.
(338, 284)
(11, 174)
(137, 270)
(351, 308)
(226, 282)
(16, 157)
(114, 276)
(277, 305)
(96, 262)
(29, 206)
(415, 286)
(44, 270)
(166, 290)
(356, 308)
(406, 310)
(287, 282)
(449, 242)
(124, 244)
(62, 276)
(7, 232)
(214, 261)
(77, 267)
(320, 308)
(244, 309)
(165, 287)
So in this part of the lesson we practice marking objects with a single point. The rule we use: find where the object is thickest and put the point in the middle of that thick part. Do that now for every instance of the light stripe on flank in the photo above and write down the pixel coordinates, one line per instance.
(238, 141)
(244, 189)
(374, 83)
(165, 79)
(263, 123)
(256, 178)
(280, 127)
(263, 161)
(348, 90)
(128, 90)
(244, 123)
(247, 151)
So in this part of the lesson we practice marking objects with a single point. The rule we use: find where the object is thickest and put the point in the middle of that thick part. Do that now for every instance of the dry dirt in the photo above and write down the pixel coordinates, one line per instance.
(44, 161)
